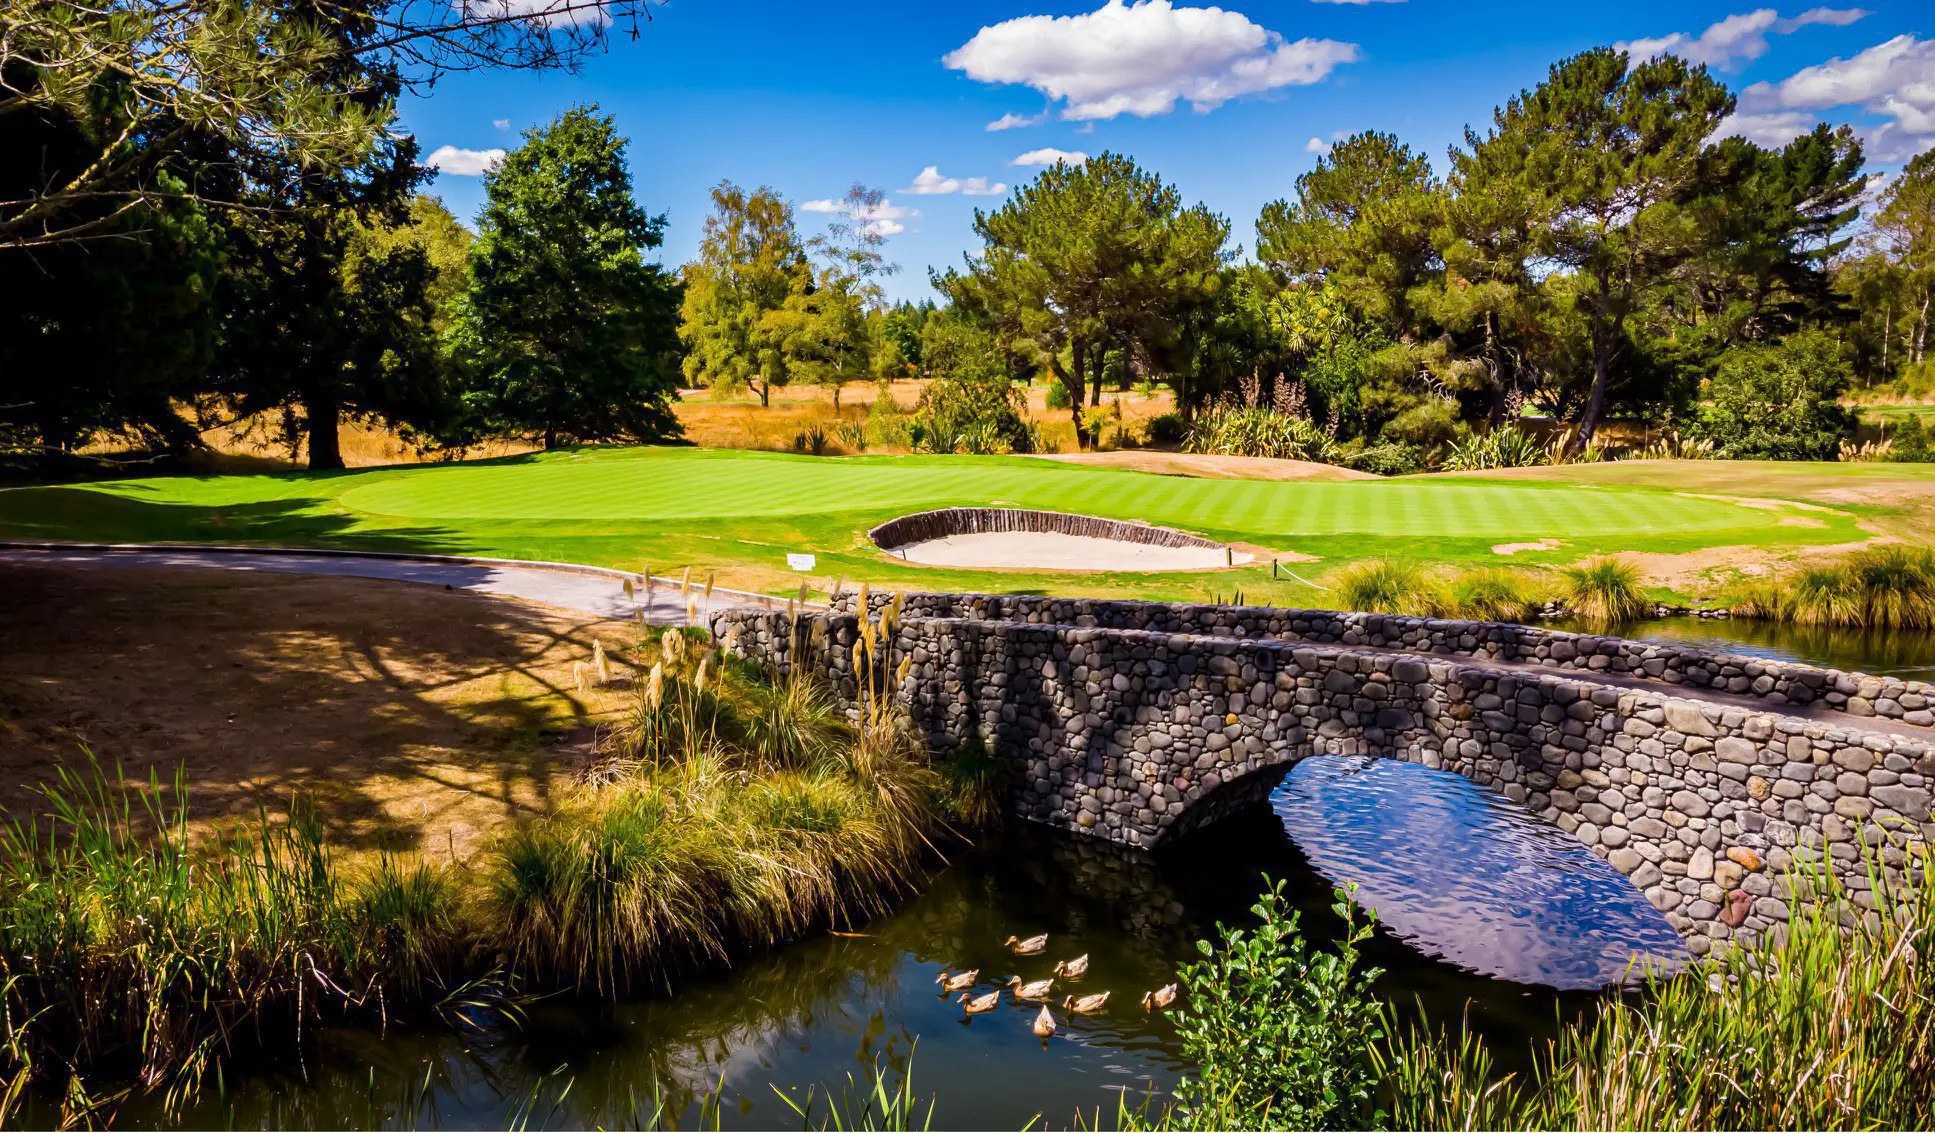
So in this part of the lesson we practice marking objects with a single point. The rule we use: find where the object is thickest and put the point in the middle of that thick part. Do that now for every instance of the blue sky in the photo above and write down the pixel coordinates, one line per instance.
(1229, 103)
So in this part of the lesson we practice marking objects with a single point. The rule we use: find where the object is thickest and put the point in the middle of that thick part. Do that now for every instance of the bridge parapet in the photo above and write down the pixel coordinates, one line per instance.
(1137, 736)
(1777, 683)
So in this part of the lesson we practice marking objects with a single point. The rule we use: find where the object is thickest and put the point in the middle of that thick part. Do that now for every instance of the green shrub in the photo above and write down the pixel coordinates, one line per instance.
(1167, 429)
(1237, 430)
(1780, 401)
(982, 415)
(887, 426)
(1605, 590)
(1506, 447)
(1496, 594)
(1388, 459)
(1281, 1034)
(1912, 441)
(1057, 396)
(1390, 586)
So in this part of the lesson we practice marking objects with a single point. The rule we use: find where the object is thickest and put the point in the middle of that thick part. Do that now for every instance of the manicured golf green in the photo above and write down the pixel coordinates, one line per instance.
(741, 512)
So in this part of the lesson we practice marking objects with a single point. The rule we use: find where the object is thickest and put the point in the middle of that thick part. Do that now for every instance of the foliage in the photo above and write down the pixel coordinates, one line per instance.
(1165, 428)
(1496, 594)
(751, 266)
(567, 331)
(1912, 442)
(978, 415)
(1780, 401)
(1057, 396)
(1506, 447)
(1387, 459)
(1890, 586)
(1390, 586)
(1281, 1034)
(1230, 429)
(1828, 1025)
(1605, 590)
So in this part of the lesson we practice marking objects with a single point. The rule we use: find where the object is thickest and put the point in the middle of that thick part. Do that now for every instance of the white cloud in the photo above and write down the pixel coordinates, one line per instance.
(1049, 155)
(929, 182)
(1894, 80)
(1016, 121)
(1737, 39)
(1142, 58)
(463, 162)
(1771, 130)
(883, 219)
(548, 13)
(501, 123)
(1317, 146)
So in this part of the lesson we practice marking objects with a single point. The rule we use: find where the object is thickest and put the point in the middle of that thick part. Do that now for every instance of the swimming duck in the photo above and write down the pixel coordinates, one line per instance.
(1037, 989)
(1044, 1022)
(957, 981)
(1159, 998)
(1028, 947)
(1088, 1004)
(1073, 969)
(975, 1004)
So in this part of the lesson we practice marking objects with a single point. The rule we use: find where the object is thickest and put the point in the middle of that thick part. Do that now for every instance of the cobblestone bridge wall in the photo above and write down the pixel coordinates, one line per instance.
(1777, 683)
(1138, 736)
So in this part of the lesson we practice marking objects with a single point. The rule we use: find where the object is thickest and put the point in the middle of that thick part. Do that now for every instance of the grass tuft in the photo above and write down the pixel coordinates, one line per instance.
(1887, 587)
(1391, 586)
(1605, 590)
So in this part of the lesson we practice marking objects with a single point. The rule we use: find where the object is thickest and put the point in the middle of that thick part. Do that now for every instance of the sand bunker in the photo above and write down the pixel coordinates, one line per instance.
(1018, 539)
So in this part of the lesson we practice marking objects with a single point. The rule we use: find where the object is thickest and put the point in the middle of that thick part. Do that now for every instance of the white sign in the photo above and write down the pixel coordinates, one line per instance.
(800, 562)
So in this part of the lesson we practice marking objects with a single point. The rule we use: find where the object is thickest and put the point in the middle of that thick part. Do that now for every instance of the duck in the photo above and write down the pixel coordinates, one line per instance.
(1073, 969)
(1159, 998)
(1045, 1022)
(957, 981)
(1086, 1005)
(1028, 947)
(975, 1004)
(1036, 989)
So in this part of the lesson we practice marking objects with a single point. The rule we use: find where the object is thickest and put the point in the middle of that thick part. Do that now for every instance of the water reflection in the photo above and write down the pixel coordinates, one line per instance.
(1907, 654)
(1463, 873)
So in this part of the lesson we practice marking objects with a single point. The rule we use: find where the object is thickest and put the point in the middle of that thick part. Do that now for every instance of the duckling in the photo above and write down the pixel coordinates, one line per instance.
(1159, 998)
(957, 981)
(1044, 1022)
(1073, 969)
(975, 1004)
(1086, 1005)
(1036, 989)
(1028, 947)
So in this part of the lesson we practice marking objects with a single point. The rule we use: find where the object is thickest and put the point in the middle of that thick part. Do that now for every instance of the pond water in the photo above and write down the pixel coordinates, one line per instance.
(1485, 910)
(1907, 654)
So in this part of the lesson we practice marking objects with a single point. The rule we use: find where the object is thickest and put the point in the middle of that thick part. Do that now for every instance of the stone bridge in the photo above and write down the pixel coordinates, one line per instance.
(1703, 778)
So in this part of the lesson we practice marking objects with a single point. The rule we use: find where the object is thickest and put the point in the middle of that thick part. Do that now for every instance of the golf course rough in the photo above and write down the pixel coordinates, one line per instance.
(740, 512)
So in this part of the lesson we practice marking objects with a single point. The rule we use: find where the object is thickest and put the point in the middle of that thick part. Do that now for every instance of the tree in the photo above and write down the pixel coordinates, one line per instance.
(736, 322)
(145, 80)
(1604, 158)
(1084, 258)
(567, 331)
(1363, 218)
(1906, 221)
(1780, 401)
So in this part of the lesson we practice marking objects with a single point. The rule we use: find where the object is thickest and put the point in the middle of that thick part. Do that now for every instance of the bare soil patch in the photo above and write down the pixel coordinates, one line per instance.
(416, 718)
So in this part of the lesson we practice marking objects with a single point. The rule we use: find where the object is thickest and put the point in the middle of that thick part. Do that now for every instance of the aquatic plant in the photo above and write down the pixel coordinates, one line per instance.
(1496, 594)
(1605, 590)
(1390, 586)
(1887, 587)
(1830, 1025)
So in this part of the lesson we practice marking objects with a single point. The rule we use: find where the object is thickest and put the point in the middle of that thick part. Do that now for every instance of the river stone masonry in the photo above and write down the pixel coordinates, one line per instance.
(1776, 682)
(1139, 736)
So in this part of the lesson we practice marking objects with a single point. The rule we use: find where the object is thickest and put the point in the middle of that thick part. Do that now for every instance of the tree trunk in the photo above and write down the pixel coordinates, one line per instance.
(1101, 366)
(322, 412)
(1602, 336)
(1921, 329)
(765, 394)
(550, 438)
(1072, 383)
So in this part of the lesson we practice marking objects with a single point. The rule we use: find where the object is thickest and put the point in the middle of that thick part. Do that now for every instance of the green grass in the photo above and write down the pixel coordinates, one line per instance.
(741, 512)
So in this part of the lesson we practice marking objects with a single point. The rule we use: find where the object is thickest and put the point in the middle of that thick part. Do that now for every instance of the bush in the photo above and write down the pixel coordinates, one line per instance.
(1886, 587)
(1390, 586)
(1780, 401)
(1912, 442)
(1506, 447)
(1235, 430)
(1167, 429)
(1281, 1034)
(1057, 395)
(1388, 460)
(1495, 594)
(982, 415)
(887, 426)
(1605, 590)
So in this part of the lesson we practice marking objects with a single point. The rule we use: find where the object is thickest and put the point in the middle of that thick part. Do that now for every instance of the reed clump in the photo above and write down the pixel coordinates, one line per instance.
(1829, 1026)
(1395, 586)
(727, 811)
(1887, 587)
(1605, 590)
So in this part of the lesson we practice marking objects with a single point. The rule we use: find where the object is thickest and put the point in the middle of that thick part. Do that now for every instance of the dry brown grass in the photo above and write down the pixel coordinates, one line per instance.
(417, 718)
